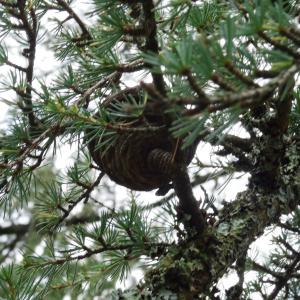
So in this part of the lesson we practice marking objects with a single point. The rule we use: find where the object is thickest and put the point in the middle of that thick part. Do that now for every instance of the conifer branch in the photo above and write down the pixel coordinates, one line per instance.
(28, 149)
(91, 252)
(283, 279)
(245, 99)
(217, 79)
(85, 32)
(31, 29)
(84, 196)
(239, 75)
(151, 41)
(17, 67)
(213, 72)
(279, 45)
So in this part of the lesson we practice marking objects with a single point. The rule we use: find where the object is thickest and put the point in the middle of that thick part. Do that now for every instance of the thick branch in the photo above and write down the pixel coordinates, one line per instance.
(188, 205)
(209, 257)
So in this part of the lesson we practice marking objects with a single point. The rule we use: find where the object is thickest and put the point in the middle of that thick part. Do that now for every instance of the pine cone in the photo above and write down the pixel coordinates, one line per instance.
(142, 161)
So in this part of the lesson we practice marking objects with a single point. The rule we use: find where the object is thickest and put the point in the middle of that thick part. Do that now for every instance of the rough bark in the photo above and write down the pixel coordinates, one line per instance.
(191, 269)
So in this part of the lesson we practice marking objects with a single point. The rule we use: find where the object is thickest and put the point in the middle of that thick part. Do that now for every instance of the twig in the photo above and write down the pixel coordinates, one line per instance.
(265, 73)
(281, 282)
(151, 41)
(22, 229)
(246, 98)
(39, 158)
(194, 85)
(33, 145)
(124, 128)
(153, 92)
(278, 45)
(235, 291)
(260, 268)
(217, 78)
(90, 252)
(112, 78)
(74, 16)
(239, 75)
(131, 67)
(287, 245)
(120, 95)
(31, 33)
(11, 64)
(291, 34)
(197, 181)
(83, 196)
(289, 227)
(99, 84)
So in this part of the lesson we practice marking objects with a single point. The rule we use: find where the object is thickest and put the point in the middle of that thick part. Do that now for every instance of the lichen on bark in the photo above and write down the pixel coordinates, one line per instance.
(193, 268)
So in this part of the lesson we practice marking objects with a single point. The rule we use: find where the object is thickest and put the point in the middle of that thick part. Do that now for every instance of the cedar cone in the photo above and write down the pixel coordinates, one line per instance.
(142, 160)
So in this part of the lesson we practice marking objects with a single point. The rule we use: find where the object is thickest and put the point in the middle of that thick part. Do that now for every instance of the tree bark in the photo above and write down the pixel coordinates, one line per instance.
(194, 266)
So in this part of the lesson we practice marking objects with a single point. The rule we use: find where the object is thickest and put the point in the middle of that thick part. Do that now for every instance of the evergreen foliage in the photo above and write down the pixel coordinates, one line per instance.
(197, 70)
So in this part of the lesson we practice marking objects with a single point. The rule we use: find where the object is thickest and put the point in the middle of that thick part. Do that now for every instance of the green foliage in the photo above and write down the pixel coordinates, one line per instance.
(122, 237)
(205, 60)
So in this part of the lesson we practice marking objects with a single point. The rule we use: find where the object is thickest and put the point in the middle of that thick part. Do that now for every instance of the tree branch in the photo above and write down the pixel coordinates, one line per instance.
(188, 208)
(151, 41)
(31, 30)
(83, 196)
(240, 223)
(281, 282)
(77, 19)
